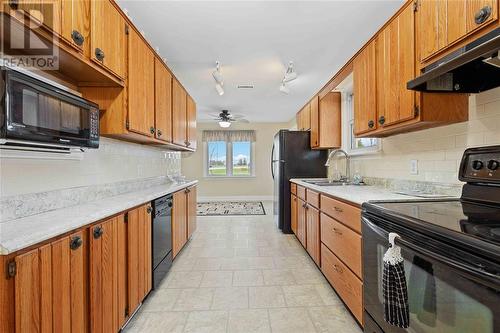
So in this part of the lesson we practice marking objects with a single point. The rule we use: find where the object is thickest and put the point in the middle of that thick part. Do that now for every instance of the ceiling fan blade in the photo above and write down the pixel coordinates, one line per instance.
(245, 121)
(237, 116)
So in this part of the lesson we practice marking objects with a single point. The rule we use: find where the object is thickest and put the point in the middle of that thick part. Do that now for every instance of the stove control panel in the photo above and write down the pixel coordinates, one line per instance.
(481, 165)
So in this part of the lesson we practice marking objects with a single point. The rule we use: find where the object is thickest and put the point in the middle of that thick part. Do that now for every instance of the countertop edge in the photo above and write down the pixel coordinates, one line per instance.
(93, 218)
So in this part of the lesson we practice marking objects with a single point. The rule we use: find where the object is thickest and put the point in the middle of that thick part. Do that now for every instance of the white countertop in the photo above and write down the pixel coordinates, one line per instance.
(21, 233)
(356, 194)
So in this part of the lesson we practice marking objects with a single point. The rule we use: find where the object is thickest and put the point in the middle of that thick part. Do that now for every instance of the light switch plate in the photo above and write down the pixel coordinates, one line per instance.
(413, 167)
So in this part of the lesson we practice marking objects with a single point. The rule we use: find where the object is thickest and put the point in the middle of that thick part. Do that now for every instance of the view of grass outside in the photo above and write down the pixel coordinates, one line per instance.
(218, 163)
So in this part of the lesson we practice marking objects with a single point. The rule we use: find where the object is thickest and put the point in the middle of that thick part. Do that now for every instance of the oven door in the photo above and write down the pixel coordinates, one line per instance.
(444, 295)
(39, 112)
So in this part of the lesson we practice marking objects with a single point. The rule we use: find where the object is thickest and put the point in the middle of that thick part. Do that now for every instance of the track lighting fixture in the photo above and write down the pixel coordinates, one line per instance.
(219, 81)
(290, 74)
(284, 89)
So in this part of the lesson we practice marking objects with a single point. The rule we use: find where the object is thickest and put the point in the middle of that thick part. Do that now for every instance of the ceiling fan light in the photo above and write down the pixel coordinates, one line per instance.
(224, 124)
(219, 89)
(284, 89)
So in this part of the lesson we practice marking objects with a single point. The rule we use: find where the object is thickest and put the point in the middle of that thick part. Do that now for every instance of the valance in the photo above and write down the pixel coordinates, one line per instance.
(230, 136)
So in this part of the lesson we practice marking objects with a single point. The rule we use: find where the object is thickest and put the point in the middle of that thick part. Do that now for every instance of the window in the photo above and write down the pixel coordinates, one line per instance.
(229, 153)
(353, 145)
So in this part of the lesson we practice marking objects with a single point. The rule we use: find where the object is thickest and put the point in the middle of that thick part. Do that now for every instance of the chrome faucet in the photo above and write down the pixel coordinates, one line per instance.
(347, 162)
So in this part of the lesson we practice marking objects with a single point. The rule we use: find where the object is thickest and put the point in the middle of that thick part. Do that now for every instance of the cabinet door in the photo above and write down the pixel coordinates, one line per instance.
(179, 128)
(314, 116)
(139, 255)
(192, 205)
(191, 123)
(330, 125)
(306, 117)
(312, 233)
(432, 32)
(298, 119)
(475, 8)
(45, 13)
(293, 213)
(141, 93)
(365, 110)
(301, 221)
(163, 102)
(456, 27)
(75, 23)
(108, 37)
(50, 287)
(395, 67)
(179, 221)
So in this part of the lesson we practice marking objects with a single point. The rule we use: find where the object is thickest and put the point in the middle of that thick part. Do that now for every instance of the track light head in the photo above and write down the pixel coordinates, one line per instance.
(290, 74)
(219, 89)
(217, 74)
(284, 89)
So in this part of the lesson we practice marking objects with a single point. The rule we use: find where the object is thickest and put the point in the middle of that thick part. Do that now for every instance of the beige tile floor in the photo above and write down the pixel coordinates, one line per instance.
(241, 274)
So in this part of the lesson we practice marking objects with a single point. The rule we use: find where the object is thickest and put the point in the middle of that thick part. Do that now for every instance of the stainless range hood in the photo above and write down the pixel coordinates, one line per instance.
(472, 68)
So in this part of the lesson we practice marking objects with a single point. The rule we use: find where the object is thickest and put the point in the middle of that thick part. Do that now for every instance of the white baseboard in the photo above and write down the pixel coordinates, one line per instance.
(237, 198)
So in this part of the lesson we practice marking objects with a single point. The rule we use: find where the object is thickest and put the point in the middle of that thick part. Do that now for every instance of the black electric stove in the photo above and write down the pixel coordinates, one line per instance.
(451, 250)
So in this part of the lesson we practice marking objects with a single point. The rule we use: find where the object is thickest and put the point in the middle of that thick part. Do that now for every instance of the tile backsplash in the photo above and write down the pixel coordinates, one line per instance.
(114, 161)
(437, 150)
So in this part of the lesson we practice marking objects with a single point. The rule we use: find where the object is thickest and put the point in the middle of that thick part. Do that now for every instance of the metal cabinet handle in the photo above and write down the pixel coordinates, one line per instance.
(98, 231)
(14, 4)
(149, 209)
(371, 123)
(77, 37)
(338, 209)
(482, 15)
(337, 231)
(152, 130)
(159, 132)
(99, 54)
(381, 120)
(75, 242)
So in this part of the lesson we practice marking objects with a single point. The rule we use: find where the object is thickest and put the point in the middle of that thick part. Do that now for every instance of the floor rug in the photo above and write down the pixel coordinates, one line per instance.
(230, 208)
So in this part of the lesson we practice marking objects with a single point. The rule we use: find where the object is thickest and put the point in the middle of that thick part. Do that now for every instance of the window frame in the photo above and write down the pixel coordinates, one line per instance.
(229, 162)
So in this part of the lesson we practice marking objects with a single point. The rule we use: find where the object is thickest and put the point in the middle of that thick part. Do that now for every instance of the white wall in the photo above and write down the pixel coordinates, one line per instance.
(260, 186)
(114, 161)
(438, 150)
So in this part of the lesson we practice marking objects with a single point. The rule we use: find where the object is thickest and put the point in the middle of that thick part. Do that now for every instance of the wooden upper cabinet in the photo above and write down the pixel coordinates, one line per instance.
(141, 86)
(306, 117)
(108, 37)
(179, 113)
(326, 126)
(47, 13)
(50, 287)
(365, 90)
(191, 211)
(179, 222)
(441, 23)
(75, 24)
(163, 102)
(314, 121)
(395, 54)
(191, 123)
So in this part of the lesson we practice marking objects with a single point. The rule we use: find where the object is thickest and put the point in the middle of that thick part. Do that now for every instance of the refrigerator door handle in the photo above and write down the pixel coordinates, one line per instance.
(272, 162)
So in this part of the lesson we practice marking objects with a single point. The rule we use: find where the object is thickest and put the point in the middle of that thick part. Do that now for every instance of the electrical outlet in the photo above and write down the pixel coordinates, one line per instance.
(413, 167)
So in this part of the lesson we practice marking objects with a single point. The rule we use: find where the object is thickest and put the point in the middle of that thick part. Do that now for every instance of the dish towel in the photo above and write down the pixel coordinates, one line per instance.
(394, 290)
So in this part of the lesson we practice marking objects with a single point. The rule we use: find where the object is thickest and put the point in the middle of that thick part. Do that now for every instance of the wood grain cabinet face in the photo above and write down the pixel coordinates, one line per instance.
(312, 233)
(191, 123)
(50, 287)
(364, 89)
(293, 213)
(108, 37)
(139, 255)
(141, 86)
(163, 102)
(315, 122)
(179, 222)
(179, 113)
(191, 207)
(75, 24)
(301, 222)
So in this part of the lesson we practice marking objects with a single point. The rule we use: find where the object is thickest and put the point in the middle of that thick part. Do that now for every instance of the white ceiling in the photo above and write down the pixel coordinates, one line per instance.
(254, 40)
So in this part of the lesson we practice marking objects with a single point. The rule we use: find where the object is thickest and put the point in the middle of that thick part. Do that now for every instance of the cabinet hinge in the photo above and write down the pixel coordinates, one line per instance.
(126, 29)
(415, 5)
(416, 111)
(11, 269)
(126, 311)
(127, 125)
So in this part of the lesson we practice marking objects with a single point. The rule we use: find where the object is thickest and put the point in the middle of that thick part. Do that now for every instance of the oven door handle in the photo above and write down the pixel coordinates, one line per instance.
(477, 274)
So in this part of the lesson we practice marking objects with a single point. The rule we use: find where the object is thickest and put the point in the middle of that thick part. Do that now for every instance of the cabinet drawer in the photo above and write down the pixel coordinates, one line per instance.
(345, 243)
(347, 285)
(342, 212)
(301, 192)
(293, 188)
(312, 198)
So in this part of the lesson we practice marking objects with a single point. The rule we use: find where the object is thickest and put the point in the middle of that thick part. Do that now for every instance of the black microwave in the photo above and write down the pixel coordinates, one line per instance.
(36, 111)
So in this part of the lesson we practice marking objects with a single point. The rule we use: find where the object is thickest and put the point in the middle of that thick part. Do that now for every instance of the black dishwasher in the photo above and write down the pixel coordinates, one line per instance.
(162, 238)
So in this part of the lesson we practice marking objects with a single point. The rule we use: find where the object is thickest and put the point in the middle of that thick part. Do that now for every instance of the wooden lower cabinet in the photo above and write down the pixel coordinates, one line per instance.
(191, 208)
(301, 222)
(183, 218)
(293, 213)
(49, 288)
(139, 258)
(312, 233)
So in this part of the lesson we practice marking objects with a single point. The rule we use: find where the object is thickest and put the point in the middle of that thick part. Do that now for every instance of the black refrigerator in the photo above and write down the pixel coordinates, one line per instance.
(292, 157)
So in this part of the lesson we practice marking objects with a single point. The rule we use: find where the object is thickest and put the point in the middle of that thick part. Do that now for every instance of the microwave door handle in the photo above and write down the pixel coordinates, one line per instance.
(475, 273)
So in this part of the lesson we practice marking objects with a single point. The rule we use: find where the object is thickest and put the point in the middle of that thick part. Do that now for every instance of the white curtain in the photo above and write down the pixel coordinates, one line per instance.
(232, 136)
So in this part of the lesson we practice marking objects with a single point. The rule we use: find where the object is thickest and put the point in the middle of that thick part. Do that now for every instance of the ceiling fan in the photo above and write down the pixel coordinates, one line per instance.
(225, 118)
